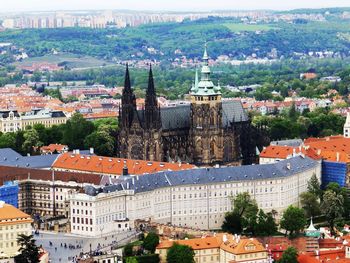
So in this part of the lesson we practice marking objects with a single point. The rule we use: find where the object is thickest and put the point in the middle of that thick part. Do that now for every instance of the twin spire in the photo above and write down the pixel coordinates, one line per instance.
(129, 110)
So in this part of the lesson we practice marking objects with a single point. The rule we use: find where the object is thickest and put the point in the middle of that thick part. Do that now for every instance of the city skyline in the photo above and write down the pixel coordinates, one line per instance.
(158, 5)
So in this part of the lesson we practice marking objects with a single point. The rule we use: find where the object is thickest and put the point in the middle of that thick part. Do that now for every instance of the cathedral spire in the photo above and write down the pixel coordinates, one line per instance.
(127, 83)
(152, 114)
(151, 97)
(151, 90)
(128, 101)
(205, 55)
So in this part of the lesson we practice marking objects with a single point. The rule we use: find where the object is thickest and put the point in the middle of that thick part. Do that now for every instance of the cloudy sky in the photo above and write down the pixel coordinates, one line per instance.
(176, 5)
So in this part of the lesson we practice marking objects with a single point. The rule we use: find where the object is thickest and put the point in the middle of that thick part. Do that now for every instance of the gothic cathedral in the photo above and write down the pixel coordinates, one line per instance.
(208, 131)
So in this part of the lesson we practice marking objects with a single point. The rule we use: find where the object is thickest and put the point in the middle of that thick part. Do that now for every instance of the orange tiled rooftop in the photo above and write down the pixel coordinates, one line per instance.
(113, 166)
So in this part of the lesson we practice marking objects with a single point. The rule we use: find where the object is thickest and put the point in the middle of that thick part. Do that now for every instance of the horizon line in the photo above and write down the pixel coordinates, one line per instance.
(171, 11)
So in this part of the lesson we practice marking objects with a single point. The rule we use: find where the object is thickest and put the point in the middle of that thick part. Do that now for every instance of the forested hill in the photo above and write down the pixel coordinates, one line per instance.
(168, 41)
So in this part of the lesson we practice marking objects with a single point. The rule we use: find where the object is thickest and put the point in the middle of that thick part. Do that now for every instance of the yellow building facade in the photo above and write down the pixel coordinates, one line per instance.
(13, 222)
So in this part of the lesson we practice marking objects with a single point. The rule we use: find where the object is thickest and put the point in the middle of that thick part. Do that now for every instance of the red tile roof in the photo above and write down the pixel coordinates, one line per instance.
(334, 149)
(8, 173)
(282, 152)
(241, 246)
(330, 255)
(53, 147)
(113, 166)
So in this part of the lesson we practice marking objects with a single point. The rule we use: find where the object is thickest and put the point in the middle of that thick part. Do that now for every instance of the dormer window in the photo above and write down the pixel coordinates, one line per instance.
(250, 247)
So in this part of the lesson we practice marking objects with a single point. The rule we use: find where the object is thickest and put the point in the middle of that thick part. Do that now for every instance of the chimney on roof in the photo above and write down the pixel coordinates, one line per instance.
(125, 169)
(338, 156)
(288, 166)
(2, 203)
(92, 150)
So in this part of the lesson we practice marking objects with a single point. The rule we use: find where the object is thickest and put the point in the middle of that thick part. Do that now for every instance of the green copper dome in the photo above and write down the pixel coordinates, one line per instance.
(205, 86)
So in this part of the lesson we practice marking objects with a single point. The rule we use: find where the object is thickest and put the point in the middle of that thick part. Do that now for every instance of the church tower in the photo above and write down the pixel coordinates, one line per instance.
(206, 118)
(347, 126)
(128, 102)
(153, 124)
(152, 111)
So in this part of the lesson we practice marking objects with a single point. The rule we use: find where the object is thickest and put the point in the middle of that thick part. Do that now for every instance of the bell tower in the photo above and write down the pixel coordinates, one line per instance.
(206, 118)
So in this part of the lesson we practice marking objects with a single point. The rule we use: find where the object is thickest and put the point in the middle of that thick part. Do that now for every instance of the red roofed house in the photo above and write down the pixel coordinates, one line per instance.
(112, 166)
(223, 248)
(54, 148)
(275, 153)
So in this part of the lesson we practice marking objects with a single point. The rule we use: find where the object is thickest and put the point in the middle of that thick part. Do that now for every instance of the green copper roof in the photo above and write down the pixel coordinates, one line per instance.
(205, 86)
(311, 231)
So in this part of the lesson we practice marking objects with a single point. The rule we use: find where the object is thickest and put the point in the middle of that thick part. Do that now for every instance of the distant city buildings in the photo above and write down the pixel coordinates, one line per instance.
(11, 121)
(109, 18)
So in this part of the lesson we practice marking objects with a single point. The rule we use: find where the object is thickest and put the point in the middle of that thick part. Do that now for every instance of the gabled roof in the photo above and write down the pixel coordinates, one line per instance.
(113, 166)
(11, 212)
(53, 147)
(195, 243)
(225, 242)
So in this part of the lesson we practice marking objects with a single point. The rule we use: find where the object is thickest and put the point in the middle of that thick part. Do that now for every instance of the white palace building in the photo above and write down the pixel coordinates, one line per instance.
(197, 198)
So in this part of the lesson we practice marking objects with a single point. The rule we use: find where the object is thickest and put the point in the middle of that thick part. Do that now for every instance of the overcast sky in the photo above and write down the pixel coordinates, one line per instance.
(171, 5)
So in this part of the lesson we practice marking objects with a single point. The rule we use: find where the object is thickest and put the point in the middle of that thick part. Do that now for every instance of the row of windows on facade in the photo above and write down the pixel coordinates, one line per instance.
(54, 121)
(109, 218)
(48, 197)
(30, 188)
(18, 226)
(8, 236)
(82, 203)
(85, 228)
(235, 185)
(43, 205)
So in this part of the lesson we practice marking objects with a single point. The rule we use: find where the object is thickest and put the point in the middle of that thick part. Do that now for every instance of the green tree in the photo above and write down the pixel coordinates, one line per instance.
(243, 216)
(290, 255)
(243, 204)
(332, 207)
(310, 203)
(265, 224)
(314, 186)
(292, 112)
(102, 141)
(128, 250)
(232, 223)
(76, 130)
(180, 254)
(42, 132)
(131, 260)
(151, 242)
(8, 140)
(28, 252)
(293, 220)
(112, 123)
(31, 141)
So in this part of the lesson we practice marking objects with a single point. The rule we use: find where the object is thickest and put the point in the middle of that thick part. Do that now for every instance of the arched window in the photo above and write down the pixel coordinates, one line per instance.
(212, 148)
(228, 151)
